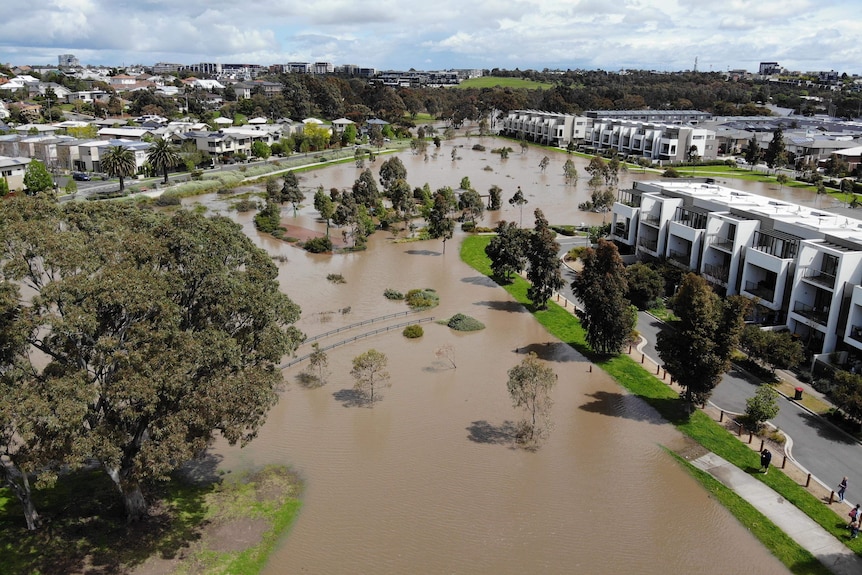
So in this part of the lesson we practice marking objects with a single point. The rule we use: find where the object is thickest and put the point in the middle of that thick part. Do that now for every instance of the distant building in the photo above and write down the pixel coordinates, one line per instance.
(68, 61)
(769, 68)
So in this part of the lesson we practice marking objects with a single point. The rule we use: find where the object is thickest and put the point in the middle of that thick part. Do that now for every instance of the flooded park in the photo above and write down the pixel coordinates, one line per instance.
(427, 480)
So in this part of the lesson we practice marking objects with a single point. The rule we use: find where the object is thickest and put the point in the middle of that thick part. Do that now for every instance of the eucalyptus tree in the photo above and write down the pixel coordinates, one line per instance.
(543, 271)
(696, 349)
(159, 331)
(601, 287)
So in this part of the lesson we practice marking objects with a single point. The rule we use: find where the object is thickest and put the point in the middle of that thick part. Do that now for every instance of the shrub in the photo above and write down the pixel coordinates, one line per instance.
(422, 298)
(413, 331)
(393, 294)
(336, 278)
(197, 174)
(245, 205)
(167, 200)
(318, 245)
(670, 173)
(479, 147)
(468, 226)
(461, 322)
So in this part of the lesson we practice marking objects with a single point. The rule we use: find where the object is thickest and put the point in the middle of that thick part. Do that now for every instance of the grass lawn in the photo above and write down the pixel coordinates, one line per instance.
(192, 527)
(492, 81)
(699, 426)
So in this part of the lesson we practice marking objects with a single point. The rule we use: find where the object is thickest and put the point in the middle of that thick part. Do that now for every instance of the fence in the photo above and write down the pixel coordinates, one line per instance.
(360, 323)
(357, 337)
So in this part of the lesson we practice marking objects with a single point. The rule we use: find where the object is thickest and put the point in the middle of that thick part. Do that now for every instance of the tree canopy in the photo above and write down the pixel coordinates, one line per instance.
(696, 348)
(159, 331)
(507, 249)
(601, 287)
(543, 272)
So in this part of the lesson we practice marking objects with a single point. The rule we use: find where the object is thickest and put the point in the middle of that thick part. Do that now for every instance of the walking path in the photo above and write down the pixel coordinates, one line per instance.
(802, 529)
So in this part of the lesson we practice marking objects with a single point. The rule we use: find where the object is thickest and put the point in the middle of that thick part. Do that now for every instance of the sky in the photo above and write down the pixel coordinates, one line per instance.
(666, 35)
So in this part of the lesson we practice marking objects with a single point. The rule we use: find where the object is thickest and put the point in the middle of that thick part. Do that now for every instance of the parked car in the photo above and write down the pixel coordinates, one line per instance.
(80, 177)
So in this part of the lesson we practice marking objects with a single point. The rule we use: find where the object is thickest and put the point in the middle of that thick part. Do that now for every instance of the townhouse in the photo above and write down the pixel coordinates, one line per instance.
(801, 266)
(657, 141)
(548, 128)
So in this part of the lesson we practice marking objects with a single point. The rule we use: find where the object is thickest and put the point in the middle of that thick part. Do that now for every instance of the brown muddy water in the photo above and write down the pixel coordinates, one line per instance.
(427, 480)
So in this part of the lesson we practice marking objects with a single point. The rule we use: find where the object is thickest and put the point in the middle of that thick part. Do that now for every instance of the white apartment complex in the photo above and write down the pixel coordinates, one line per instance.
(802, 266)
(672, 138)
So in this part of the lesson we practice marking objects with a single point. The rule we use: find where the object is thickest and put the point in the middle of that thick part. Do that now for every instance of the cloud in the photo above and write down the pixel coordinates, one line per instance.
(658, 34)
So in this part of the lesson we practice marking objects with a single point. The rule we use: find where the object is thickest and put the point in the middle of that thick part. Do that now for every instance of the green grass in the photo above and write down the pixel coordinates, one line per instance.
(629, 374)
(493, 81)
(85, 525)
(797, 559)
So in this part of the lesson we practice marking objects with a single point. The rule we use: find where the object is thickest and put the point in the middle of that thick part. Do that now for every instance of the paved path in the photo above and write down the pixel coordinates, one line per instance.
(802, 529)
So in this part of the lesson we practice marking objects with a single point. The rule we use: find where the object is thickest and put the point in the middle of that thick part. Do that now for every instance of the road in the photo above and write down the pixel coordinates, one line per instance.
(817, 445)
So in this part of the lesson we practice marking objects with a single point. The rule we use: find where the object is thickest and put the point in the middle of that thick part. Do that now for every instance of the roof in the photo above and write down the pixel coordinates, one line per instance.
(342, 122)
(223, 121)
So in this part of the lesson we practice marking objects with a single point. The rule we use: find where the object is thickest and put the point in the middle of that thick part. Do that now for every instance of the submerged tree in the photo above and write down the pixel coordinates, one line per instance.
(519, 200)
(440, 225)
(369, 373)
(530, 384)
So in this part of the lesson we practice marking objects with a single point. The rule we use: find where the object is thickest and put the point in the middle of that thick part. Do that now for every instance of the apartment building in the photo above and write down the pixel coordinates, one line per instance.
(659, 142)
(801, 266)
(12, 170)
(548, 128)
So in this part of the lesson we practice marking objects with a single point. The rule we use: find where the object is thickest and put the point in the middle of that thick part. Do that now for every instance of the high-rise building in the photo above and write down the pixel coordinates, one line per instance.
(68, 61)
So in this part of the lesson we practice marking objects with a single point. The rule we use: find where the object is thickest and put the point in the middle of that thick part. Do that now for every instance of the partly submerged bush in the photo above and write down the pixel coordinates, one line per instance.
(393, 294)
(413, 331)
(318, 245)
(461, 322)
(422, 298)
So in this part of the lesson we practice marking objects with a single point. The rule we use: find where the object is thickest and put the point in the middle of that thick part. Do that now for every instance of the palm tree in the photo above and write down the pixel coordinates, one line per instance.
(119, 161)
(162, 156)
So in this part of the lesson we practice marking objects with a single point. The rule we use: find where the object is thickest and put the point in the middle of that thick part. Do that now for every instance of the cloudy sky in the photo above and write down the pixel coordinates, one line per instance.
(806, 35)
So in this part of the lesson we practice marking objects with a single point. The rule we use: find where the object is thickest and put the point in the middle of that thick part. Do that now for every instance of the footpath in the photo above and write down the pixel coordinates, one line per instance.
(828, 549)
(802, 529)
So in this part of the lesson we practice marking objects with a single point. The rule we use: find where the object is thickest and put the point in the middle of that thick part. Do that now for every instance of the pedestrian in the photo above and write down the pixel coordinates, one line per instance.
(854, 513)
(765, 459)
(854, 529)
(842, 487)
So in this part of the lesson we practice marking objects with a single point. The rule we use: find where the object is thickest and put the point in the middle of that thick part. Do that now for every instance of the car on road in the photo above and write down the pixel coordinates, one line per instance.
(80, 177)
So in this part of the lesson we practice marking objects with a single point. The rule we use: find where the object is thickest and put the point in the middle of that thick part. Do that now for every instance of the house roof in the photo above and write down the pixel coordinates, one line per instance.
(223, 121)
(342, 122)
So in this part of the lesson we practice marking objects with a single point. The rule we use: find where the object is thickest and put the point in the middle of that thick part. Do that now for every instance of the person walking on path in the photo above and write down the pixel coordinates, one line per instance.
(854, 514)
(854, 529)
(842, 487)
(765, 459)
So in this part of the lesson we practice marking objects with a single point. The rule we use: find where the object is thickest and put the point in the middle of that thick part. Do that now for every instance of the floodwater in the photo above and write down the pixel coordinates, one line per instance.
(427, 480)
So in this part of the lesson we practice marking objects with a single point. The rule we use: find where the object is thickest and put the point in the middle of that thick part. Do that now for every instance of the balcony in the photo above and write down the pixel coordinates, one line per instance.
(648, 244)
(761, 290)
(820, 314)
(621, 230)
(720, 273)
(681, 258)
(650, 219)
(722, 242)
(856, 333)
(820, 278)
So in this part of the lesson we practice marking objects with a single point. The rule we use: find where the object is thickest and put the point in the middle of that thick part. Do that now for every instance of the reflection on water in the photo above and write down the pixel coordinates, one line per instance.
(427, 481)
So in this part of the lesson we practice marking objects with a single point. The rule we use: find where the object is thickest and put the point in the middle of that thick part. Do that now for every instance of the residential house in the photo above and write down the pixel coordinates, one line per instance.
(12, 170)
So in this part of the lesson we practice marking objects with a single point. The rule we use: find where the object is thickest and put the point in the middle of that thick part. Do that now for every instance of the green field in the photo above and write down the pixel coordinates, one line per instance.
(492, 81)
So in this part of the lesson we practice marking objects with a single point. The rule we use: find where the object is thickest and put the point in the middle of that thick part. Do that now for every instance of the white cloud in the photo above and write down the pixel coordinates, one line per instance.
(662, 34)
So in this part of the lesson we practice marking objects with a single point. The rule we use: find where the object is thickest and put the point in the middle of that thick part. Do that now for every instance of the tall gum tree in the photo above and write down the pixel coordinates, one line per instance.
(172, 327)
(696, 348)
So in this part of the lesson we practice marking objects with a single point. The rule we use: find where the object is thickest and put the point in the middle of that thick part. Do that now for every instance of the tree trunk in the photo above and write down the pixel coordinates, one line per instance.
(166, 175)
(122, 184)
(21, 488)
(130, 491)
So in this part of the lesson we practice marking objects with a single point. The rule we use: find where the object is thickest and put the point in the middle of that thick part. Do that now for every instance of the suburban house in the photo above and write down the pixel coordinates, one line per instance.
(801, 266)
(89, 153)
(12, 170)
